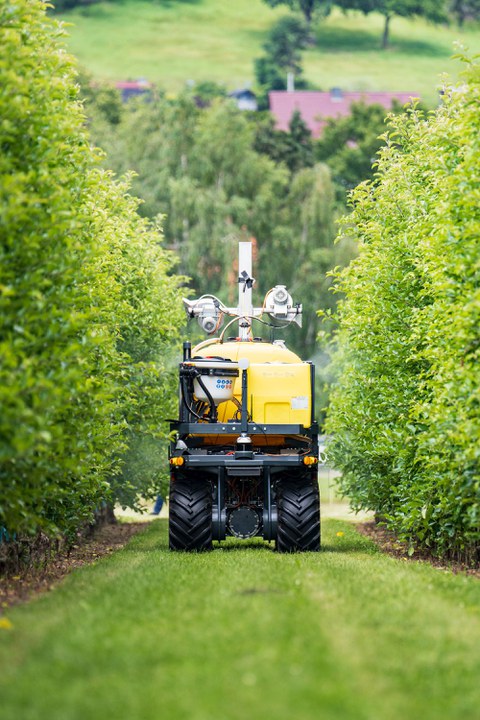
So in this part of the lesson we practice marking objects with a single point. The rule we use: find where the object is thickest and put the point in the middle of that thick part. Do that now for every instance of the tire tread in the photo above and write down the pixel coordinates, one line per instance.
(190, 511)
(298, 503)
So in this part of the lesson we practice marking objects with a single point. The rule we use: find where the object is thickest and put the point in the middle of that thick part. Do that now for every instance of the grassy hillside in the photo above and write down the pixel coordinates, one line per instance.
(171, 42)
(180, 40)
(348, 54)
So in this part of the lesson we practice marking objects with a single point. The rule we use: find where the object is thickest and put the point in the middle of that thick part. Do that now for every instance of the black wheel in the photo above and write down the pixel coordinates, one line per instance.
(298, 506)
(190, 510)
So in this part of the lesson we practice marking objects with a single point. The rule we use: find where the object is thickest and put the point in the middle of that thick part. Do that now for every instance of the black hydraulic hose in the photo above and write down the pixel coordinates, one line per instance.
(213, 407)
(184, 399)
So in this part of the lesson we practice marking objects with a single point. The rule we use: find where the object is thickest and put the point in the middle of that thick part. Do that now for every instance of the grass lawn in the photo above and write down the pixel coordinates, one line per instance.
(345, 634)
(171, 42)
(348, 54)
(180, 40)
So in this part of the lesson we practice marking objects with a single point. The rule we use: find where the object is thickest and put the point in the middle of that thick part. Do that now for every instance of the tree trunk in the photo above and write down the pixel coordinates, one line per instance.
(307, 8)
(386, 32)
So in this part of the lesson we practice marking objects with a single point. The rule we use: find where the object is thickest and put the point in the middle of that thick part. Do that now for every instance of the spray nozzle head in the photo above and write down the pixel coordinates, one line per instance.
(208, 310)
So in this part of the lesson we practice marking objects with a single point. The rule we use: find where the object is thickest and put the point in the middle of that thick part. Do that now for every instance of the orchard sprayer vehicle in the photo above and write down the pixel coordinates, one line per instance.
(244, 453)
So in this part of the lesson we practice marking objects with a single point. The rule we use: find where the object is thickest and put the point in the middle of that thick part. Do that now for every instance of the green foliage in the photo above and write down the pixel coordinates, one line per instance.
(307, 7)
(87, 305)
(405, 410)
(207, 90)
(61, 5)
(202, 169)
(463, 10)
(268, 77)
(349, 145)
(299, 144)
(304, 250)
(287, 37)
(429, 9)
(145, 471)
(293, 148)
(100, 98)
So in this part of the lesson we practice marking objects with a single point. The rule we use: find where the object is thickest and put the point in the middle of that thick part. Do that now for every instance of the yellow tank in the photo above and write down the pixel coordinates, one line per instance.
(279, 383)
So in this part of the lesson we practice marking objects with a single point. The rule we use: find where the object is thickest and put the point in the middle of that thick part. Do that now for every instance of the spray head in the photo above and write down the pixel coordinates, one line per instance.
(279, 305)
(208, 310)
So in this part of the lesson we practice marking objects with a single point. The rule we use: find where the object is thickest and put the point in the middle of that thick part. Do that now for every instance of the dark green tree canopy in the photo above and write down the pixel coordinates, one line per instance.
(287, 37)
(349, 145)
(62, 5)
(306, 7)
(219, 176)
(405, 411)
(430, 9)
(88, 302)
(463, 10)
(294, 147)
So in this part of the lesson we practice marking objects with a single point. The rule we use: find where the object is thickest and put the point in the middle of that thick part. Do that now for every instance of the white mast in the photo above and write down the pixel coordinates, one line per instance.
(210, 311)
(245, 284)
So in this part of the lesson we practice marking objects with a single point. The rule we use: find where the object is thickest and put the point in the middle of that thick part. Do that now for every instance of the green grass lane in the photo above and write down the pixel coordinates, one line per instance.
(345, 634)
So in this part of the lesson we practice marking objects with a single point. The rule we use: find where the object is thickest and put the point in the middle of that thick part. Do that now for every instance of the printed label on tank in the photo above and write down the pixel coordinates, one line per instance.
(222, 383)
(299, 403)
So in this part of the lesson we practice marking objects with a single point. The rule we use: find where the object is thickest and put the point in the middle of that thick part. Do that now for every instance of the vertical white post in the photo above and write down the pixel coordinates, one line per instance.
(245, 281)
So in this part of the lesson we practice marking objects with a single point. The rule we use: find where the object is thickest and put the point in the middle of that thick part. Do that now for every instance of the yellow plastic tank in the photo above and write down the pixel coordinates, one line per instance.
(279, 383)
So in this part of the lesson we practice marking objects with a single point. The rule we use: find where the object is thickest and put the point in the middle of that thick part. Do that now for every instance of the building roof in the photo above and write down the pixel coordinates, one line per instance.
(315, 107)
(134, 88)
(133, 85)
(242, 93)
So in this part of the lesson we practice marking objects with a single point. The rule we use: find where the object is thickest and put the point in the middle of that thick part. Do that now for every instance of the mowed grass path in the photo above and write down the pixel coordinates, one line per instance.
(242, 632)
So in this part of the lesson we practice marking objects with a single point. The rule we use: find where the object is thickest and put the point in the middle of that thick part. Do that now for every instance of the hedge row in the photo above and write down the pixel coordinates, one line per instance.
(88, 305)
(405, 409)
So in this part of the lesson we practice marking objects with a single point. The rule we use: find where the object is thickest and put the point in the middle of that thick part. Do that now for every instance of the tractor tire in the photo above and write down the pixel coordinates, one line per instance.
(190, 511)
(298, 506)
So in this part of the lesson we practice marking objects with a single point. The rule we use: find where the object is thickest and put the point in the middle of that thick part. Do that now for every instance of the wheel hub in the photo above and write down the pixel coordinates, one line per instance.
(243, 522)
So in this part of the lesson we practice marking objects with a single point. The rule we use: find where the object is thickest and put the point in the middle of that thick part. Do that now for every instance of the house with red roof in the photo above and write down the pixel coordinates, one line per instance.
(316, 107)
(133, 88)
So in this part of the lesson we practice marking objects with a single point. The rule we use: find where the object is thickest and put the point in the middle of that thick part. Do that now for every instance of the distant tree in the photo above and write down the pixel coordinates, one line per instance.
(306, 7)
(311, 250)
(286, 39)
(100, 97)
(269, 77)
(430, 9)
(283, 48)
(207, 90)
(464, 10)
(293, 147)
(299, 145)
(267, 139)
(348, 145)
(219, 176)
(62, 5)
